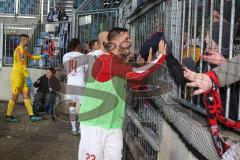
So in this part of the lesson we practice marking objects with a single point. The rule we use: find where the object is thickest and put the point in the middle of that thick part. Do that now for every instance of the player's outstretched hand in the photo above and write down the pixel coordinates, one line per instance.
(162, 47)
(44, 55)
(199, 80)
(150, 56)
(29, 81)
(140, 60)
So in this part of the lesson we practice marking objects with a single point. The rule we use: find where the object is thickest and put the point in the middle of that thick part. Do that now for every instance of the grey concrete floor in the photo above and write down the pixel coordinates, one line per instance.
(44, 140)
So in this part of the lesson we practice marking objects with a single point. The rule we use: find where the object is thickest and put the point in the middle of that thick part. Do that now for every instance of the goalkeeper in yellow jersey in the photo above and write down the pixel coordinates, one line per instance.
(20, 79)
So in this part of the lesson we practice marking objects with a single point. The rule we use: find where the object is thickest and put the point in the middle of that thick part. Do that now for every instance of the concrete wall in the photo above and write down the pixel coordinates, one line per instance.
(172, 147)
(5, 82)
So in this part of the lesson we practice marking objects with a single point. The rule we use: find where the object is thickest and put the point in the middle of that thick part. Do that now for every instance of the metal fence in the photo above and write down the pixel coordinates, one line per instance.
(94, 16)
(25, 7)
(90, 24)
(186, 24)
(41, 36)
(7, 6)
(190, 25)
(144, 120)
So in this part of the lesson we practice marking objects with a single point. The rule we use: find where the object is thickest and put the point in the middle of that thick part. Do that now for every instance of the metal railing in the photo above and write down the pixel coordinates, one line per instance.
(91, 5)
(1, 45)
(60, 34)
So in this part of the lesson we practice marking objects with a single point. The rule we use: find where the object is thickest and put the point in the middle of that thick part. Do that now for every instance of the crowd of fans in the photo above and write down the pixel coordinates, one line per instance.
(58, 27)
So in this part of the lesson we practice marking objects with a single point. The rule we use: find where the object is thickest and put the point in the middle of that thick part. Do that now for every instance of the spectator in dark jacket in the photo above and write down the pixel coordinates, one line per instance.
(50, 15)
(62, 15)
(43, 97)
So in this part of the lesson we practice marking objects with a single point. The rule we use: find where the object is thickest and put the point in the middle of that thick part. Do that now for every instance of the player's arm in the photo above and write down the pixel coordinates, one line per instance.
(36, 57)
(33, 57)
(140, 73)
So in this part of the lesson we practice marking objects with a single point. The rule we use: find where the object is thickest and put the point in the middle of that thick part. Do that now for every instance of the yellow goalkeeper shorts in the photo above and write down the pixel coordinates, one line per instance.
(18, 83)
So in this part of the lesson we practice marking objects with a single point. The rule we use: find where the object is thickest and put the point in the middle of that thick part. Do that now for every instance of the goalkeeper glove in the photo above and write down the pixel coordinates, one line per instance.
(44, 55)
(29, 81)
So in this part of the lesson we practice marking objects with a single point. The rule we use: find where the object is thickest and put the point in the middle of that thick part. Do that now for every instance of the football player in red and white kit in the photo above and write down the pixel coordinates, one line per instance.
(76, 65)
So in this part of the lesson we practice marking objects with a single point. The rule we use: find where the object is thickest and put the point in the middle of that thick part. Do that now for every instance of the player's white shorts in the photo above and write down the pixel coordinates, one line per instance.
(76, 99)
(100, 144)
(75, 94)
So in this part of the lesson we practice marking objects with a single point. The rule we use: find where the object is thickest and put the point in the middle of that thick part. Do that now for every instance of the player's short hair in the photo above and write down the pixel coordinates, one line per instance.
(113, 33)
(23, 35)
(73, 44)
(91, 43)
(52, 70)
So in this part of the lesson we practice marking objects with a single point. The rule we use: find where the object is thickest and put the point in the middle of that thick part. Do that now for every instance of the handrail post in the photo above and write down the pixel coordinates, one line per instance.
(1, 44)
(48, 6)
(42, 5)
(16, 11)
